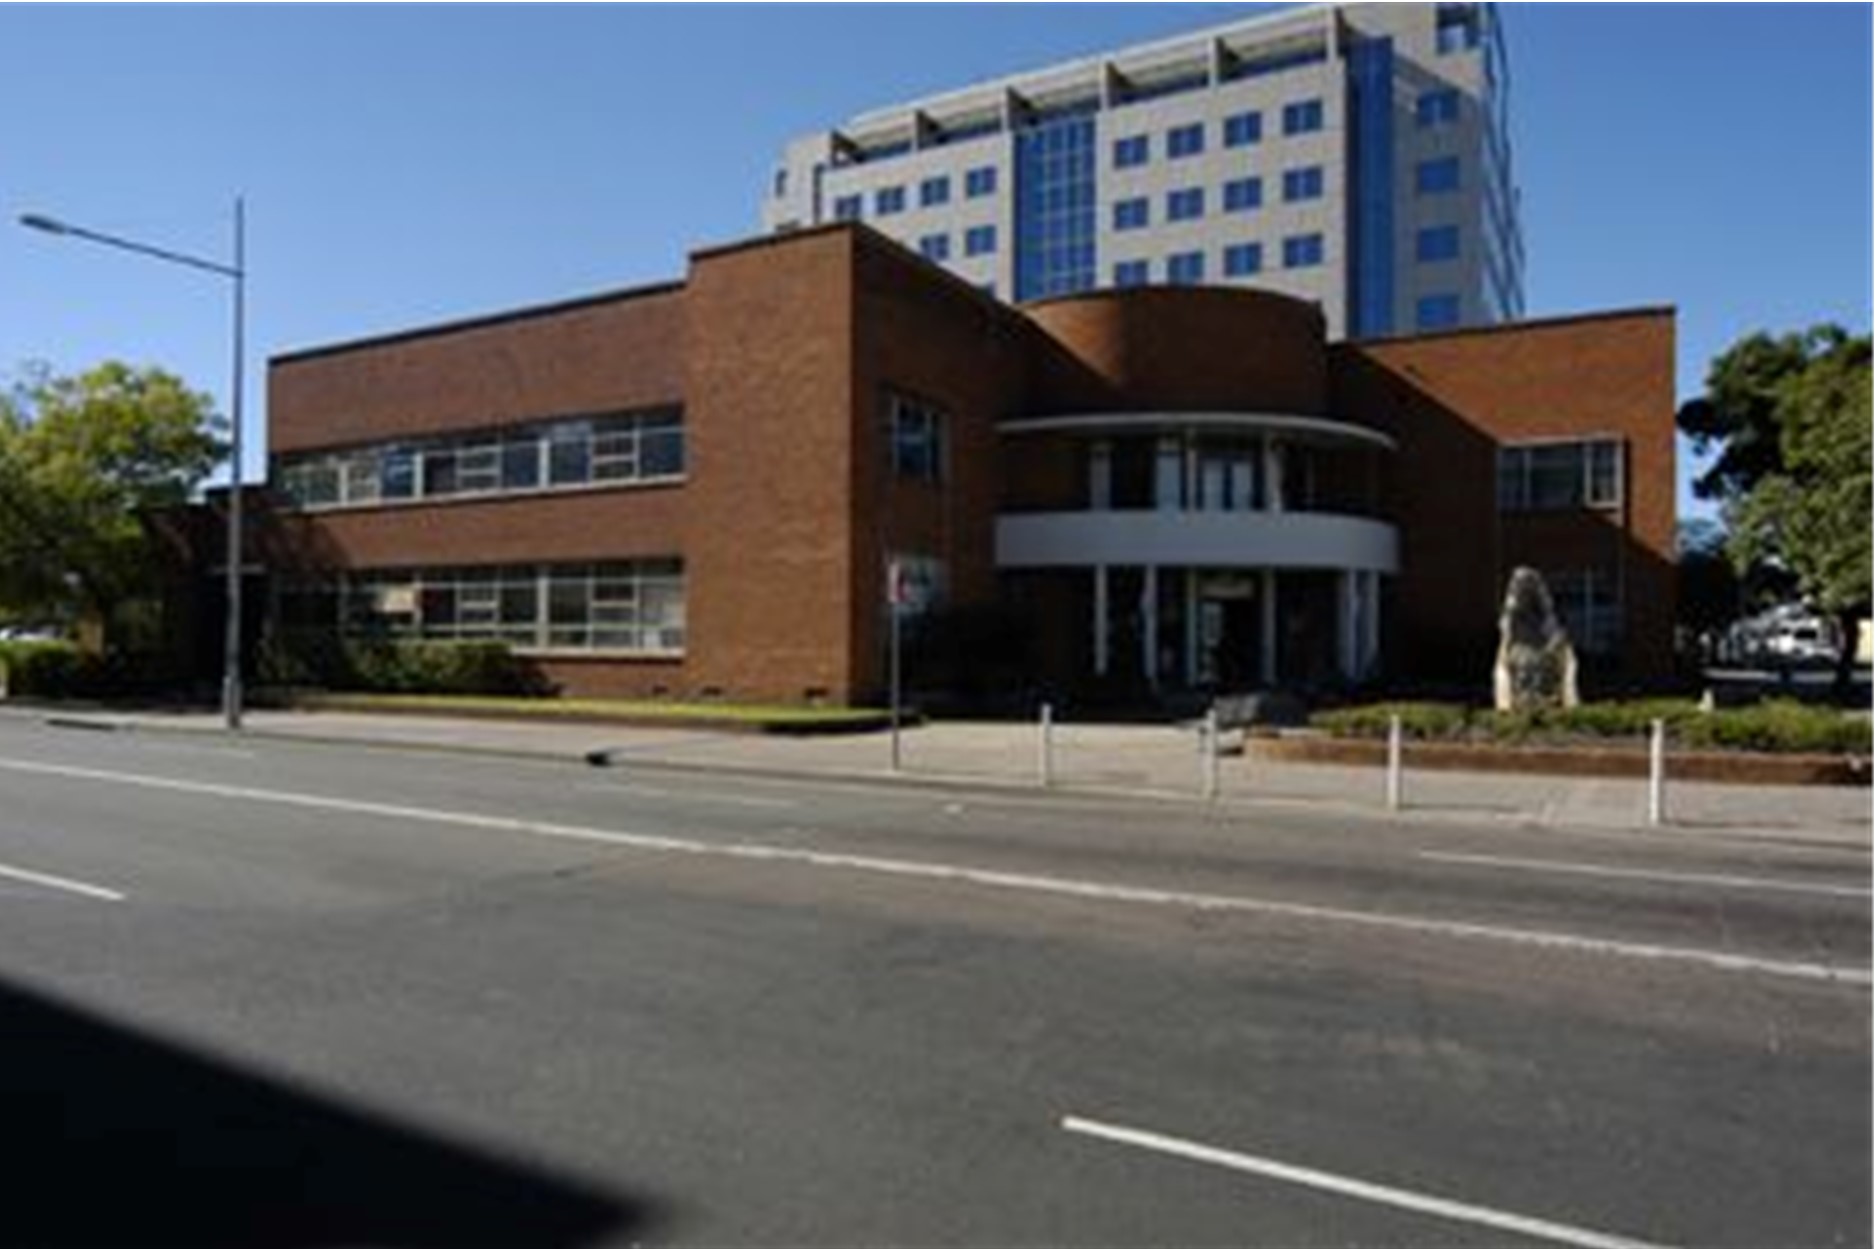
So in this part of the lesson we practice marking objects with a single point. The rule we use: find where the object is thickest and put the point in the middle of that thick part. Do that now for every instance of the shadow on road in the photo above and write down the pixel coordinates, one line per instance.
(110, 1137)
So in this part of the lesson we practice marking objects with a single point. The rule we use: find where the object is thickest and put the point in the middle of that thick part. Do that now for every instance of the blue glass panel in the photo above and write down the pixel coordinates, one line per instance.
(1371, 265)
(1055, 209)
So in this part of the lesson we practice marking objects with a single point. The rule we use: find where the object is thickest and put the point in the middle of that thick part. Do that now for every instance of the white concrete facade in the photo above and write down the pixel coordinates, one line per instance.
(1370, 278)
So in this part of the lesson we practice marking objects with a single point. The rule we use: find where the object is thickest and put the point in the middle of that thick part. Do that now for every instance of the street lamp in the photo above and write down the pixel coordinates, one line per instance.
(237, 271)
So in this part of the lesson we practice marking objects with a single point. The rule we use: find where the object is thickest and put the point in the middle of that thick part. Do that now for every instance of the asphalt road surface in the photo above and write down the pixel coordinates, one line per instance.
(266, 994)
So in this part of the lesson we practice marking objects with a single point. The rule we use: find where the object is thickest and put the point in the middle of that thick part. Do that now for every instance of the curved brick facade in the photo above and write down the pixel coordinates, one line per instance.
(1181, 349)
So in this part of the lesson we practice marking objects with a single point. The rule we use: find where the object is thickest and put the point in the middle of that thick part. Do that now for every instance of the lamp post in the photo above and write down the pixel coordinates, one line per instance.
(237, 273)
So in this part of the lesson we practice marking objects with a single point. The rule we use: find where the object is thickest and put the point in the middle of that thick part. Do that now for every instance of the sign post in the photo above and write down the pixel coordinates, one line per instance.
(895, 604)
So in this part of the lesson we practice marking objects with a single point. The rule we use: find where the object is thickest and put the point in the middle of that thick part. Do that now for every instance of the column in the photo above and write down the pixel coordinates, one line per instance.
(1149, 632)
(1191, 628)
(1272, 474)
(1347, 622)
(1100, 620)
(1267, 606)
(1370, 644)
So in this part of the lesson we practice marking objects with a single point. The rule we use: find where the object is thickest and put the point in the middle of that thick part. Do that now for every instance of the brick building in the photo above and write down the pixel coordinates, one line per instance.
(697, 488)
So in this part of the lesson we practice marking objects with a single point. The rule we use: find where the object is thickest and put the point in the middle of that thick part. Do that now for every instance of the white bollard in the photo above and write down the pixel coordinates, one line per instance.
(1045, 748)
(1207, 742)
(1657, 774)
(1394, 734)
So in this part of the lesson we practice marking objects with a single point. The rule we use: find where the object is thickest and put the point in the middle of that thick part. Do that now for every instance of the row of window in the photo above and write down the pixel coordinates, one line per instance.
(1240, 130)
(933, 192)
(645, 446)
(1300, 185)
(978, 241)
(1553, 476)
(634, 606)
(1237, 260)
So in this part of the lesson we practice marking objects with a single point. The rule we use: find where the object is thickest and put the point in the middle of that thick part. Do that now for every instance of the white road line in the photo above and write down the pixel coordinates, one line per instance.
(1631, 873)
(633, 789)
(1308, 1177)
(61, 882)
(1060, 886)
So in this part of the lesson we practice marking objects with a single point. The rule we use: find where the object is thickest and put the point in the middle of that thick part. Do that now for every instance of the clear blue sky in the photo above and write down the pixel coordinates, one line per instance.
(409, 164)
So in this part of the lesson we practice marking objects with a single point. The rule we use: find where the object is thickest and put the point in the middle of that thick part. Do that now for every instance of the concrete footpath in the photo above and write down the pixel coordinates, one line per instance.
(1140, 760)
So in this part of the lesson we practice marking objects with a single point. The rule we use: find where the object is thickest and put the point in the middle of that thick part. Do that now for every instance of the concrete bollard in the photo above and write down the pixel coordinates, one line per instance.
(1045, 747)
(1657, 774)
(1394, 735)
(1208, 747)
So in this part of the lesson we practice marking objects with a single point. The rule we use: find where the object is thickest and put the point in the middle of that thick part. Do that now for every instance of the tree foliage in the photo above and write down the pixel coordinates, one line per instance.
(1792, 416)
(80, 458)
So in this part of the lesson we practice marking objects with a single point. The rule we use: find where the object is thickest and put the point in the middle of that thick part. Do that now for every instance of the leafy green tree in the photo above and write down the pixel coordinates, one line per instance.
(1792, 414)
(80, 458)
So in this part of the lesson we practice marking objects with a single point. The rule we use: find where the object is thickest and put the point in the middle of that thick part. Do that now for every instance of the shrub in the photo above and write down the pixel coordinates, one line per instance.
(437, 668)
(40, 669)
(1425, 721)
(1781, 726)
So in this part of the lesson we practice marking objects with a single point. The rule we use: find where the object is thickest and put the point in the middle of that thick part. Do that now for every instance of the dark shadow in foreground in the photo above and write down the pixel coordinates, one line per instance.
(113, 1138)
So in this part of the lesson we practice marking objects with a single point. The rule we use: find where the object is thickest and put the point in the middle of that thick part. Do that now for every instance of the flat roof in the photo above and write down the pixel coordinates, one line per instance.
(1527, 323)
(1189, 43)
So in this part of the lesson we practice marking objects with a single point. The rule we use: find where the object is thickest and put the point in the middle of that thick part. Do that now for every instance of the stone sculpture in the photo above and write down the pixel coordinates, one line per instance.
(1536, 665)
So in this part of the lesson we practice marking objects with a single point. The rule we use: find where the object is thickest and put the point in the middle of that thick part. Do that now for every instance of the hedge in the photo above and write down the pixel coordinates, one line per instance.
(398, 667)
(1778, 725)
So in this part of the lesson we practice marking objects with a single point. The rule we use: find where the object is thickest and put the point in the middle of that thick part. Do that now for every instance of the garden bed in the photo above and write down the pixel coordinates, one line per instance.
(646, 713)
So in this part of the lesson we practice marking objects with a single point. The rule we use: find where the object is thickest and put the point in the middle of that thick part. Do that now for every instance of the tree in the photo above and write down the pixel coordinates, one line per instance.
(1793, 415)
(80, 458)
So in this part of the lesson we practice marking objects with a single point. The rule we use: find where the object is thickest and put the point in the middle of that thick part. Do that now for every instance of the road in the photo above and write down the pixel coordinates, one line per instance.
(266, 993)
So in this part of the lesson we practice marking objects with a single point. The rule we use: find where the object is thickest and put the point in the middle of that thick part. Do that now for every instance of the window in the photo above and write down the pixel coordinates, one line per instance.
(1243, 195)
(888, 200)
(781, 184)
(1588, 606)
(1436, 312)
(1437, 108)
(1458, 32)
(934, 191)
(1184, 140)
(1132, 214)
(915, 432)
(1185, 205)
(1131, 273)
(576, 452)
(1556, 476)
(1132, 151)
(1302, 251)
(1302, 184)
(979, 240)
(633, 606)
(846, 208)
(935, 247)
(1243, 129)
(1241, 260)
(397, 472)
(1185, 268)
(1435, 243)
(1302, 117)
(569, 453)
(980, 182)
(1436, 177)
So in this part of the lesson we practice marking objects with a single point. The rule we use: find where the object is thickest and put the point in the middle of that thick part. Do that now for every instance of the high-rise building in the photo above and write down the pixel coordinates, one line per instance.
(1353, 155)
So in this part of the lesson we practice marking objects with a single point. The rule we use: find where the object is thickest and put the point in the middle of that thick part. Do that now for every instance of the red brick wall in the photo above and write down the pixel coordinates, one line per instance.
(1181, 349)
(771, 402)
(1451, 400)
(604, 355)
(924, 333)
